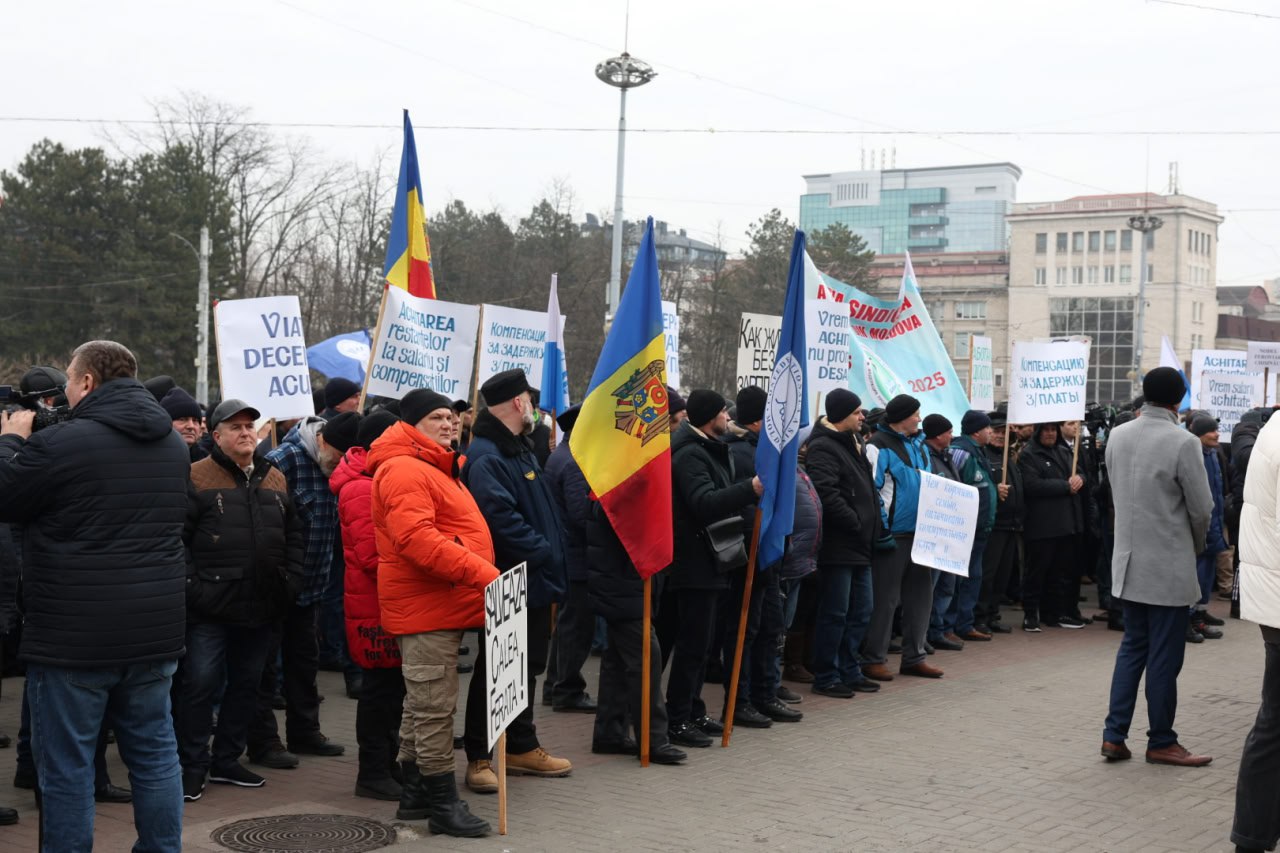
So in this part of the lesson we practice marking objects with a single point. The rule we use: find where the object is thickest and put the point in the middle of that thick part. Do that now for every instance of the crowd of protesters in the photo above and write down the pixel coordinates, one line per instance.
(179, 577)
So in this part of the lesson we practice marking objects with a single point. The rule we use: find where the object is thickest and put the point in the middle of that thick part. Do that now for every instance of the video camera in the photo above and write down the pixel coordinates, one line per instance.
(37, 384)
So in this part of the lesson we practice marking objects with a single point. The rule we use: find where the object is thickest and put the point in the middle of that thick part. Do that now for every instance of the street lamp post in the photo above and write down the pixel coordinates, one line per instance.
(1144, 224)
(202, 313)
(622, 72)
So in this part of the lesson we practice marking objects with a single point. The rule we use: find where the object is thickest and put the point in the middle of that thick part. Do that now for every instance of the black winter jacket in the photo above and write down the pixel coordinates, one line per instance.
(571, 492)
(843, 478)
(512, 492)
(704, 492)
(102, 498)
(1052, 511)
(1010, 511)
(244, 543)
(10, 571)
(742, 448)
(614, 587)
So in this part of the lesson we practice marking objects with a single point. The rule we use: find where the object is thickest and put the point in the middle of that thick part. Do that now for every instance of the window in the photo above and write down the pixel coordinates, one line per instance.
(1151, 240)
(1109, 274)
(1109, 241)
(1197, 312)
(1208, 243)
(1077, 241)
(1061, 242)
(851, 192)
(1191, 240)
(1042, 243)
(1060, 275)
(1041, 278)
(1108, 321)
(1093, 275)
(1126, 272)
(1095, 241)
(1126, 241)
(1197, 342)
(960, 345)
(998, 373)
(971, 310)
(1077, 275)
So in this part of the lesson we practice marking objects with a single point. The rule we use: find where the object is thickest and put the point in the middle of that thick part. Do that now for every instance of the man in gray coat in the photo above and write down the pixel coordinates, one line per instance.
(1162, 511)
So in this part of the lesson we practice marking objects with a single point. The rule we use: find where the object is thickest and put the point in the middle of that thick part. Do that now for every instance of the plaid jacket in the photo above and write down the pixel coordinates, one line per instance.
(317, 508)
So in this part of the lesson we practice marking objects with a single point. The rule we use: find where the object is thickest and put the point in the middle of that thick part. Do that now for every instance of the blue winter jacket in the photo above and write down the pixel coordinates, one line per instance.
(1214, 541)
(897, 481)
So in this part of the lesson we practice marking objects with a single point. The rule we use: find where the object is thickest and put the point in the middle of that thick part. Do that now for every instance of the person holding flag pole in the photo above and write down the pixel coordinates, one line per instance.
(786, 413)
(622, 442)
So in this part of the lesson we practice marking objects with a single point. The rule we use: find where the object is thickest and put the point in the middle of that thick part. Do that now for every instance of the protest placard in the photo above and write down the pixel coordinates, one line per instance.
(422, 343)
(1227, 396)
(1048, 381)
(511, 338)
(262, 355)
(982, 389)
(946, 518)
(1225, 361)
(671, 330)
(1263, 355)
(827, 350)
(757, 345)
(506, 638)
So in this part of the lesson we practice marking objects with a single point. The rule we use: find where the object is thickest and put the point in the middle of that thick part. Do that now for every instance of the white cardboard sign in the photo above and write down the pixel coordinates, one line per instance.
(262, 355)
(1048, 381)
(671, 335)
(506, 639)
(826, 337)
(982, 389)
(511, 338)
(423, 343)
(1227, 396)
(1263, 355)
(946, 518)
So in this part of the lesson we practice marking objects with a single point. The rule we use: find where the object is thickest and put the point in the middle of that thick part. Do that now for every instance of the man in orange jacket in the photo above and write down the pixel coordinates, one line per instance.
(435, 557)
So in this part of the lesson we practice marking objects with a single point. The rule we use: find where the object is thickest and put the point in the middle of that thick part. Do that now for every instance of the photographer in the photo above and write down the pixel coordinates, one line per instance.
(101, 500)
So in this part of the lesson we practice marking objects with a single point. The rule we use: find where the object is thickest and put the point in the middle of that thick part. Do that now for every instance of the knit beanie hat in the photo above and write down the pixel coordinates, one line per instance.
(703, 406)
(750, 404)
(420, 402)
(1164, 386)
(1203, 425)
(840, 404)
(900, 408)
(372, 426)
(341, 431)
(338, 389)
(934, 425)
(973, 421)
(179, 404)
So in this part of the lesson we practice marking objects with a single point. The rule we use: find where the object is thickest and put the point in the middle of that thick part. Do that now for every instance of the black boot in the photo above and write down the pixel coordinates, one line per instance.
(414, 802)
(450, 815)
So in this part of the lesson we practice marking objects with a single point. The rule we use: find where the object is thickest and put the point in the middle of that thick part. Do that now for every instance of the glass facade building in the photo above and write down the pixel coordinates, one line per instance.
(1108, 321)
(943, 209)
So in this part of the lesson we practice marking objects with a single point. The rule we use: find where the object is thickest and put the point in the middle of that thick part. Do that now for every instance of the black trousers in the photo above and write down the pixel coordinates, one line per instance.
(998, 561)
(300, 653)
(571, 646)
(1051, 582)
(621, 667)
(378, 713)
(757, 676)
(1257, 821)
(687, 620)
(522, 735)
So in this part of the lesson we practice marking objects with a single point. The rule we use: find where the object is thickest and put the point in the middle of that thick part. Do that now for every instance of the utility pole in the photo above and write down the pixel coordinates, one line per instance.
(1144, 224)
(202, 321)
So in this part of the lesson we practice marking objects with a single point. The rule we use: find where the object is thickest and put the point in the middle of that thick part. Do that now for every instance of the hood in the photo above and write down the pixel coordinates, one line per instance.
(508, 443)
(737, 434)
(1253, 417)
(353, 466)
(401, 439)
(686, 434)
(1035, 436)
(127, 406)
(1245, 430)
(824, 431)
(304, 435)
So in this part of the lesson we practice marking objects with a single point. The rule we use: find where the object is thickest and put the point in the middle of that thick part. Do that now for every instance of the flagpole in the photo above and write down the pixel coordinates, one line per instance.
(364, 386)
(742, 629)
(475, 375)
(646, 661)
(1004, 469)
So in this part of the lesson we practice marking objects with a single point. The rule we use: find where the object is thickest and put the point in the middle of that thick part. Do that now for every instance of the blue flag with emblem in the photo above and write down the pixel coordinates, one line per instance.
(785, 414)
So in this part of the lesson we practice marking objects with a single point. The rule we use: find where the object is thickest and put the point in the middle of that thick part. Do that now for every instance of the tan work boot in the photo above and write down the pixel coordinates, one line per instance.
(537, 762)
(481, 778)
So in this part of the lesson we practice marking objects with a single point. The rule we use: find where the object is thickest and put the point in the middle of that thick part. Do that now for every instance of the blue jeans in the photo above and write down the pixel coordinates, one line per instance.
(1206, 571)
(217, 654)
(67, 711)
(968, 589)
(1155, 640)
(941, 617)
(844, 611)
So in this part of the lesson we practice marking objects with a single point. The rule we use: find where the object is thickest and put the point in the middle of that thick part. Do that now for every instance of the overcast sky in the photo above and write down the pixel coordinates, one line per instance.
(897, 75)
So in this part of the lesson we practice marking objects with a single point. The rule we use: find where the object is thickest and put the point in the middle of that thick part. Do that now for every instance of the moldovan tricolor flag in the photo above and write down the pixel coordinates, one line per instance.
(408, 265)
(622, 440)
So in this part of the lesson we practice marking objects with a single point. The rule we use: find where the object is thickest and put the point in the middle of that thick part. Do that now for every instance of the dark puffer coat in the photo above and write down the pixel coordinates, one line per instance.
(244, 543)
(570, 490)
(102, 499)
(846, 486)
(614, 588)
(1052, 510)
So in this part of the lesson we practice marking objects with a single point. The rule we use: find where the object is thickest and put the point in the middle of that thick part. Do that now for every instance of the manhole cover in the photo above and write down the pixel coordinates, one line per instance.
(315, 833)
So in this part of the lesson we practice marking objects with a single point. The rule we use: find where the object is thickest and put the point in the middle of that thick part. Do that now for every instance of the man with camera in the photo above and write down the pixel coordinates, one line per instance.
(101, 500)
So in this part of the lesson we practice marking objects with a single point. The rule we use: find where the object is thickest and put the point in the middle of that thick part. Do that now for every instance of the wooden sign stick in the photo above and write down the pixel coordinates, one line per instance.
(502, 783)
(646, 661)
(742, 630)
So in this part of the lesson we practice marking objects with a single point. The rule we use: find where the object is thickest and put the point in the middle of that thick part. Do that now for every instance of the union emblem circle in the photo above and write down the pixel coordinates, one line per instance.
(786, 391)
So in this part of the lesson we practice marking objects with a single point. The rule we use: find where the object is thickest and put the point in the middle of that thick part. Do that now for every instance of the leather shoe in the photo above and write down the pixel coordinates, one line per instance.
(667, 754)
(622, 747)
(1194, 636)
(1115, 751)
(836, 690)
(1177, 755)
(688, 734)
(975, 634)
(8, 816)
(709, 725)
(580, 704)
(877, 672)
(276, 758)
(779, 712)
(928, 649)
(109, 793)
(922, 669)
(1208, 631)
(749, 718)
(947, 644)
(864, 685)
(1000, 628)
(1203, 616)
(317, 744)
(786, 694)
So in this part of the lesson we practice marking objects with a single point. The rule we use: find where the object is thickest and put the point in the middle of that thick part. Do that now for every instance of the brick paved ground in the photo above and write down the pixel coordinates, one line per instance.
(1000, 755)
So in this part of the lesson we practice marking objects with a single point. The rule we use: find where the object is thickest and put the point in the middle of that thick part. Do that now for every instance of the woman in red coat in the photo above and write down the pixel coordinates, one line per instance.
(380, 702)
